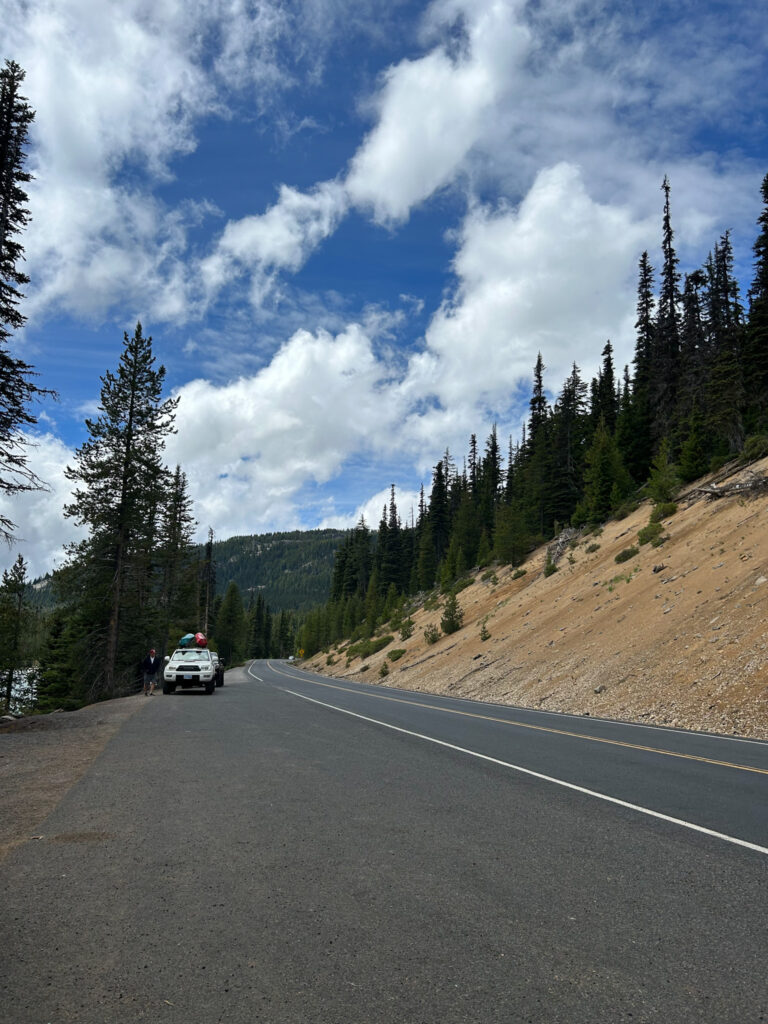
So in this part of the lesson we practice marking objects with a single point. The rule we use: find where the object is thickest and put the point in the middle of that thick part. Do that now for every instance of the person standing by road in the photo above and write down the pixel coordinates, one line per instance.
(150, 666)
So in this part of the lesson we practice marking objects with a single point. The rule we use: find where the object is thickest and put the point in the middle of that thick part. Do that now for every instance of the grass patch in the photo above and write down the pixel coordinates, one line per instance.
(365, 648)
(592, 548)
(518, 574)
(650, 532)
(626, 554)
(663, 510)
(397, 654)
(431, 634)
(623, 577)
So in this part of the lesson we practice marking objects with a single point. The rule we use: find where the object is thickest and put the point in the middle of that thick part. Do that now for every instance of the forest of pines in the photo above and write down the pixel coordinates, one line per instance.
(695, 396)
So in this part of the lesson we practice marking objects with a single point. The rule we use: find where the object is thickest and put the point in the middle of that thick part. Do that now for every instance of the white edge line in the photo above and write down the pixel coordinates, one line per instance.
(545, 778)
(257, 678)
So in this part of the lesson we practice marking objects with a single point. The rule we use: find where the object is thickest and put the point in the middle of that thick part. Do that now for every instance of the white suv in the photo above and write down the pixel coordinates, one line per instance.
(189, 666)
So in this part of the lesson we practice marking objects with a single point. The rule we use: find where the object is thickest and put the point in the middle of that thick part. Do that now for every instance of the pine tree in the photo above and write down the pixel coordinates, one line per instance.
(473, 466)
(389, 548)
(512, 541)
(439, 512)
(538, 402)
(756, 341)
(453, 617)
(637, 428)
(62, 685)
(725, 386)
(259, 647)
(606, 480)
(284, 641)
(666, 337)
(207, 584)
(176, 565)
(484, 551)
(465, 536)
(696, 450)
(604, 402)
(663, 481)
(693, 345)
(117, 471)
(14, 616)
(372, 604)
(230, 628)
(426, 570)
(570, 428)
(17, 389)
(490, 483)
(537, 459)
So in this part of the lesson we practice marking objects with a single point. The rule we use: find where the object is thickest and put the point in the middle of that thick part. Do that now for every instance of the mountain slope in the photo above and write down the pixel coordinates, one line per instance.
(676, 635)
(292, 570)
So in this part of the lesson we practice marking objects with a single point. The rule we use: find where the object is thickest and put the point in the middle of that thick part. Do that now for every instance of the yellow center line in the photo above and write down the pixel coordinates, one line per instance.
(524, 725)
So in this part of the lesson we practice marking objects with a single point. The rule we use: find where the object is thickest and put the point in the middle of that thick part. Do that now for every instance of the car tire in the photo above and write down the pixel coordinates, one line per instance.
(167, 688)
(210, 687)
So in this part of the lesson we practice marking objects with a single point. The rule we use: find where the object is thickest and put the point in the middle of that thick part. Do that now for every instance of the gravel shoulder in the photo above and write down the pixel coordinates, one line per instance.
(43, 756)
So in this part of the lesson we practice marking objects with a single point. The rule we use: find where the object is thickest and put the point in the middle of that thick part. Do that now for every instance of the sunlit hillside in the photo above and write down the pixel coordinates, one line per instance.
(676, 634)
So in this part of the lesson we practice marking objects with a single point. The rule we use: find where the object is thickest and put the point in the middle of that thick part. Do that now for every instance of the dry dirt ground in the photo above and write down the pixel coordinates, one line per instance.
(677, 635)
(42, 756)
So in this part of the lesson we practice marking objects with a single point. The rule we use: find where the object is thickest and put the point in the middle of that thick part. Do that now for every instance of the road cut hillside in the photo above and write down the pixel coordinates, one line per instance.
(676, 635)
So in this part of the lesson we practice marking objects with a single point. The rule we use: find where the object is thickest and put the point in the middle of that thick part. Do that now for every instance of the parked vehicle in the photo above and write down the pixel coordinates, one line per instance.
(188, 667)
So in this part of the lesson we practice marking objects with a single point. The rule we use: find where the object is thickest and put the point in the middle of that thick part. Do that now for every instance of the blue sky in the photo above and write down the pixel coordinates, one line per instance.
(351, 226)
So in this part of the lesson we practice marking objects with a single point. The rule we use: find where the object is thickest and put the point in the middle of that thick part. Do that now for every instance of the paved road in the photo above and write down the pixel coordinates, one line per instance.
(713, 783)
(259, 856)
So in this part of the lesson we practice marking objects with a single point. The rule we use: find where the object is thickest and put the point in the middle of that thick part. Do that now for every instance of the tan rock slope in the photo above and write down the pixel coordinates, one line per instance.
(677, 635)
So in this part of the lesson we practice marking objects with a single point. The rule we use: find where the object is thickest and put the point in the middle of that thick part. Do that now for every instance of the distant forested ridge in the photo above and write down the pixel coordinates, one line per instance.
(292, 571)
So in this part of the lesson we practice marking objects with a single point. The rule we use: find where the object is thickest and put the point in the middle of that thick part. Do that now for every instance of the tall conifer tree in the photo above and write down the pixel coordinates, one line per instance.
(14, 613)
(638, 430)
(177, 568)
(725, 390)
(117, 472)
(666, 338)
(756, 342)
(17, 389)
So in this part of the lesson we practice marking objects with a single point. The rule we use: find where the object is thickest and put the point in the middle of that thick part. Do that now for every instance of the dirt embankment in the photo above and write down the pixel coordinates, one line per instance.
(676, 635)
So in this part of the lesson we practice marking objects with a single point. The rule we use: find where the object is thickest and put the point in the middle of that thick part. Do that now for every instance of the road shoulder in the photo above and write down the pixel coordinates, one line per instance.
(43, 756)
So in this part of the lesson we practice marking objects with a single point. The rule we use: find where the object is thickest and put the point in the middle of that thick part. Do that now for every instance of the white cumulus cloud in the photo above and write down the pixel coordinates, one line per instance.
(281, 238)
(41, 529)
(431, 111)
(554, 275)
(250, 446)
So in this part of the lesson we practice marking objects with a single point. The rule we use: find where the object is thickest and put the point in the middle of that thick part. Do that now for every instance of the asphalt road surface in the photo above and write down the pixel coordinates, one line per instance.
(297, 850)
